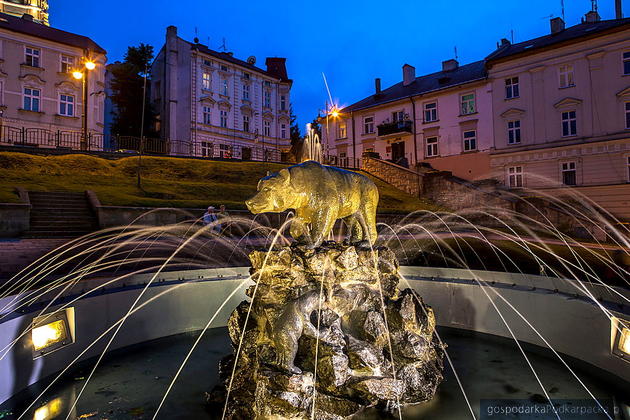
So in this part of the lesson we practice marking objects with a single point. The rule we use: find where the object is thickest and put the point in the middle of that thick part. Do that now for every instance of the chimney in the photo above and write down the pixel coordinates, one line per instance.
(450, 65)
(592, 17)
(171, 32)
(409, 74)
(618, 10)
(377, 85)
(557, 25)
(504, 42)
(277, 67)
(28, 17)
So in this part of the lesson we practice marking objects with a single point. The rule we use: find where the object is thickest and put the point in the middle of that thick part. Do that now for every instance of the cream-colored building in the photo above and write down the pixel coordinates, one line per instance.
(561, 106)
(41, 101)
(444, 119)
(36, 8)
(212, 104)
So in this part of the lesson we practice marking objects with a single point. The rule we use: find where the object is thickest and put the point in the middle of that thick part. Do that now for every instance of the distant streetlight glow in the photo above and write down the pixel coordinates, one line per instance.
(90, 65)
(77, 75)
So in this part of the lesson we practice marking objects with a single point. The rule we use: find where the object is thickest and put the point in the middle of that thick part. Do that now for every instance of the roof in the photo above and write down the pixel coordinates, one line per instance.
(582, 30)
(231, 59)
(28, 27)
(423, 84)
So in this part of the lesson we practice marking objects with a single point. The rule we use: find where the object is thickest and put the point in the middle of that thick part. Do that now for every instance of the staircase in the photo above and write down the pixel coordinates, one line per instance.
(60, 215)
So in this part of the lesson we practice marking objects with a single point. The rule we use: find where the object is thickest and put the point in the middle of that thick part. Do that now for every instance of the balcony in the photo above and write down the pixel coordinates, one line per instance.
(396, 127)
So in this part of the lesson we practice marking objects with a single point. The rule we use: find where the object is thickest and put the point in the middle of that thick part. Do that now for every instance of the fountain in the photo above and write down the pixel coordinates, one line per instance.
(311, 146)
(121, 322)
(331, 333)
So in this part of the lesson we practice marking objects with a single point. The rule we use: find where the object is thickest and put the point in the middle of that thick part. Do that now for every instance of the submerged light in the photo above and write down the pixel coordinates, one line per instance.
(51, 332)
(48, 411)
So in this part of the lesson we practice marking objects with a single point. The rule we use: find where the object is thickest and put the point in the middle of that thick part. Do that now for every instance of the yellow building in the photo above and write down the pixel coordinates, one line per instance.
(36, 8)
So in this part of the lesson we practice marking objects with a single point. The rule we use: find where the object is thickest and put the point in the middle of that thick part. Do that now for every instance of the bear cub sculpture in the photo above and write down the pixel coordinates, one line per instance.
(320, 195)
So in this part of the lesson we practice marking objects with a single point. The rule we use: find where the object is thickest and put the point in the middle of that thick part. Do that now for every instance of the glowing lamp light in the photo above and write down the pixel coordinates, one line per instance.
(49, 334)
(335, 113)
(49, 411)
(90, 65)
(624, 341)
(77, 75)
(52, 331)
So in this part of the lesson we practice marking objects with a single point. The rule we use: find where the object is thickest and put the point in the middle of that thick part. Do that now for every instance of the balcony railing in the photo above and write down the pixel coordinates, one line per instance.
(395, 127)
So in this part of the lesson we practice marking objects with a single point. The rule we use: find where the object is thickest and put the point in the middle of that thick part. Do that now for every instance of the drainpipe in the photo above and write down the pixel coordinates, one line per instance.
(354, 149)
(413, 127)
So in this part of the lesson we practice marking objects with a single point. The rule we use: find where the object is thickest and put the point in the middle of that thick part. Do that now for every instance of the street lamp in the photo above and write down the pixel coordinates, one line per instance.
(83, 75)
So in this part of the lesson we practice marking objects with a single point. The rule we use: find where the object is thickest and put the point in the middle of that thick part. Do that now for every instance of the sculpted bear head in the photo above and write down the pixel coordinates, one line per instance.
(275, 194)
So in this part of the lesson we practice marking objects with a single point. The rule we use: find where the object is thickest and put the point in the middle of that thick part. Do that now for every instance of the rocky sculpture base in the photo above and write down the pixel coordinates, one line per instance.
(276, 375)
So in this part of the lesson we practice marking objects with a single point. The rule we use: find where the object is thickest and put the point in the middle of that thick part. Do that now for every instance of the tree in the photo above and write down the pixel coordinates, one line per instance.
(315, 125)
(127, 92)
(296, 139)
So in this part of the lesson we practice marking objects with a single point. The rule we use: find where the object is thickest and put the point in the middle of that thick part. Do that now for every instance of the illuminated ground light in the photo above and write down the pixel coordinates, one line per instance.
(49, 411)
(621, 338)
(52, 332)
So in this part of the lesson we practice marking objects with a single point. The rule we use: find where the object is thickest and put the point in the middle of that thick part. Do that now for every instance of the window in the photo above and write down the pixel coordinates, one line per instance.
(246, 123)
(626, 62)
(224, 67)
(32, 57)
(283, 131)
(224, 118)
(566, 76)
(267, 83)
(628, 167)
(207, 115)
(569, 124)
(468, 104)
(246, 76)
(515, 177)
(342, 132)
(398, 116)
(569, 174)
(627, 115)
(267, 99)
(514, 132)
(225, 151)
(246, 92)
(430, 112)
(511, 88)
(31, 99)
(207, 149)
(266, 128)
(470, 140)
(66, 105)
(67, 64)
(432, 146)
(368, 125)
(343, 159)
(207, 63)
(283, 103)
(206, 81)
(224, 84)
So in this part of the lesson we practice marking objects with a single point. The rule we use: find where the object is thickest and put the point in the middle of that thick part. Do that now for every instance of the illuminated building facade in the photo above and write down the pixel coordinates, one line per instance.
(36, 8)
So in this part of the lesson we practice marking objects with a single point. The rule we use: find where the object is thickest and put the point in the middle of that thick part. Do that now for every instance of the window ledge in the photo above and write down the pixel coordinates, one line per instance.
(466, 152)
(72, 117)
(28, 111)
(26, 66)
(470, 113)
(432, 157)
(566, 87)
(514, 144)
(431, 122)
(512, 98)
(342, 138)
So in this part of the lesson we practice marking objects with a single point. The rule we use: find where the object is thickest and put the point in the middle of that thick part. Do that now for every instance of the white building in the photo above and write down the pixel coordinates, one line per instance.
(212, 104)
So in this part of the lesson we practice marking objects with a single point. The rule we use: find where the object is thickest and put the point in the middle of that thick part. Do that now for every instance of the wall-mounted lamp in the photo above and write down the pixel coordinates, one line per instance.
(52, 332)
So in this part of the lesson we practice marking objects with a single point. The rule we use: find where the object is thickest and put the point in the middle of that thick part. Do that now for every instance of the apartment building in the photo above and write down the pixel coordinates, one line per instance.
(212, 104)
(442, 118)
(36, 8)
(41, 101)
(561, 109)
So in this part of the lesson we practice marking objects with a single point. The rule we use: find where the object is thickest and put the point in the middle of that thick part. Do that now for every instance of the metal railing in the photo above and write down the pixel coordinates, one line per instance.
(44, 139)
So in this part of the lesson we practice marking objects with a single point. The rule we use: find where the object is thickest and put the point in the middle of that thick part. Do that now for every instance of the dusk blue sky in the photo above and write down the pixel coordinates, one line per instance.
(352, 42)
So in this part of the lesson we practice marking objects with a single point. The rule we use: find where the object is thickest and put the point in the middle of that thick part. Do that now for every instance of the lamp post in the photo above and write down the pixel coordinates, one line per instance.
(83, 76)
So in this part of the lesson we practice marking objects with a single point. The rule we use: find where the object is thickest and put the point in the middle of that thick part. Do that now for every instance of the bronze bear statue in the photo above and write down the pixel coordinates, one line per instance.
(320, 196)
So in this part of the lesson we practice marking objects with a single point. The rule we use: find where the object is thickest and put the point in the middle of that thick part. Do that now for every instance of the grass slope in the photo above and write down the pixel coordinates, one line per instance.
(167, 182)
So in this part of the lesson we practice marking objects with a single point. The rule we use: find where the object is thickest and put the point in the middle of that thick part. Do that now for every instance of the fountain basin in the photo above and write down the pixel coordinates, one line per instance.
(570, 323)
